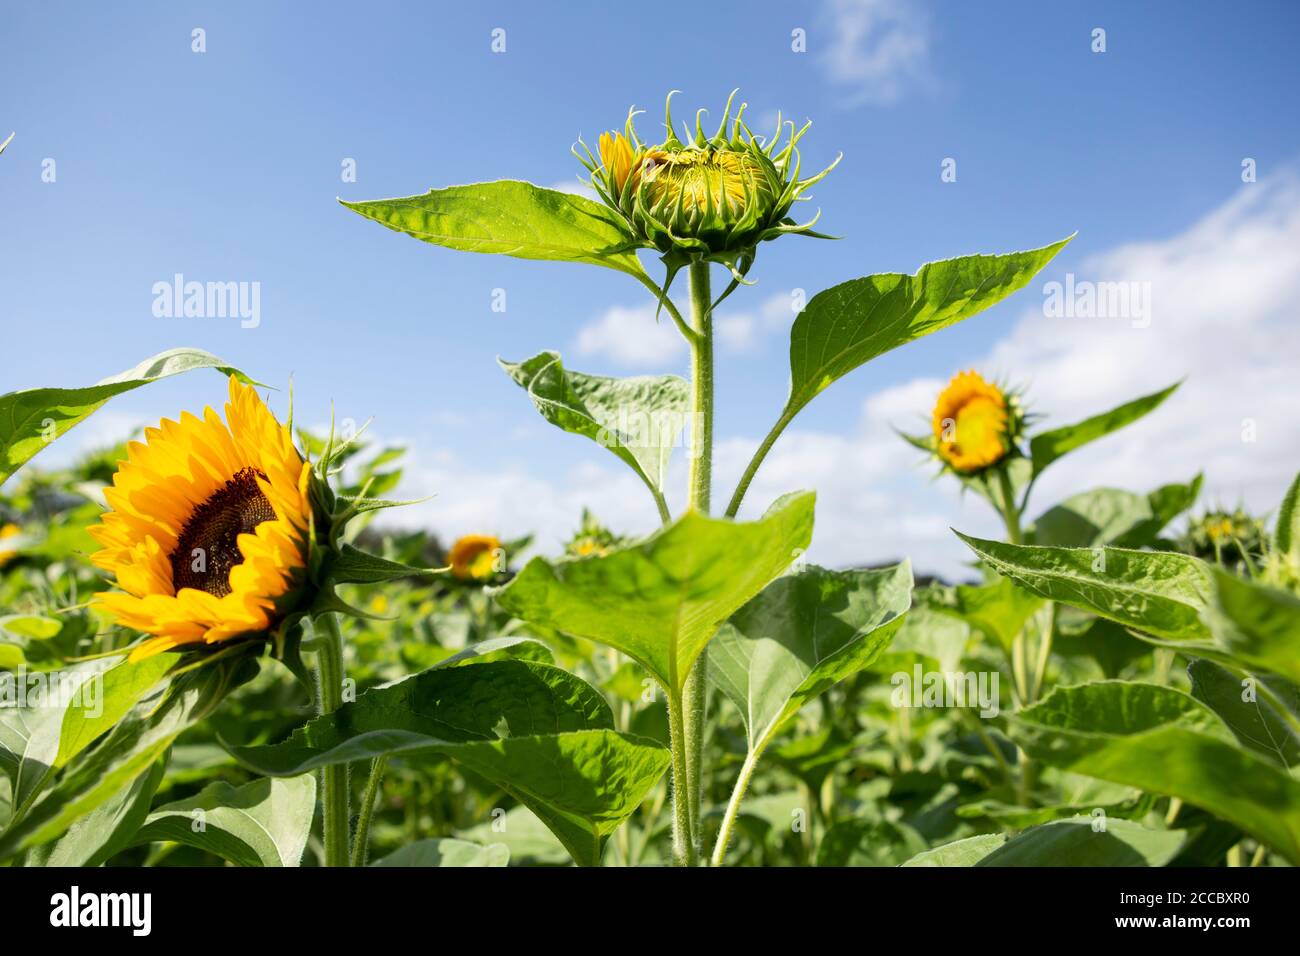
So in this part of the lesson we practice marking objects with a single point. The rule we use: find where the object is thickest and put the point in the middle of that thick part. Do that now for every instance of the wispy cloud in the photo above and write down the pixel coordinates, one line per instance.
(631, 336)
(875, 51)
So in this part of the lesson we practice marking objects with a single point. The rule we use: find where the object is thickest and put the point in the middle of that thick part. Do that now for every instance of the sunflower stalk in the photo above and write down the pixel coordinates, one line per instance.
(701, 475)
(334, 778)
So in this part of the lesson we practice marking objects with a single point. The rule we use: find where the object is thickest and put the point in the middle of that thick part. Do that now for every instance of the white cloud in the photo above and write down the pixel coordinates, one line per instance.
(631, 336)
(1223, 298)
(877, 49)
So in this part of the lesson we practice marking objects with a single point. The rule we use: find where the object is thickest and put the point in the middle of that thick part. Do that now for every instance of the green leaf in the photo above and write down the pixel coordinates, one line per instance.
(1046, 447)
(513, 219)
(106, 830)
(637, 419)
(1286, 533)
(1163, 741)
(1111, 516)
(134, 744)
(350, 565)
(529, 840)
(447, 852)
(1000, 609)
(1076, 843)
(965, 852)
(263, 823)
(1257, 624)
(659, 600)
(847, 325)
(31, 419)
(868, 843)
(802, 634)
(539, 733)
(1162, 593)
(1262, 719)
(64, 712)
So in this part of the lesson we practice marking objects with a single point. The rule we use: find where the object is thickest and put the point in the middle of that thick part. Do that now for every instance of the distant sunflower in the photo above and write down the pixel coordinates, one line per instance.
(974, 423)
(473, 557)
(208, 530)
(7, 554)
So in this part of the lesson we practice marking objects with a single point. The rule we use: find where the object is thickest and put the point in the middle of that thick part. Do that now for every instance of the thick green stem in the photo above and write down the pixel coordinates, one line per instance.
(695, 693)
(683, 835)
(1010, 513)
(334, 778)
(361, 839)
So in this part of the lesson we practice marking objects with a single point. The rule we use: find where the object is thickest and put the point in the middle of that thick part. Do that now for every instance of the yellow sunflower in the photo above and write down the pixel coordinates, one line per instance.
(207, 534)
(7, 554)
(972, 423)
(473, 557)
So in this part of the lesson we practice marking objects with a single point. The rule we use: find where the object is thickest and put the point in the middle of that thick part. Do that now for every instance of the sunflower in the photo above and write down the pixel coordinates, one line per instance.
(711, 198)
(7, 554)
(208, 530)
(974, 423)
(474, 557)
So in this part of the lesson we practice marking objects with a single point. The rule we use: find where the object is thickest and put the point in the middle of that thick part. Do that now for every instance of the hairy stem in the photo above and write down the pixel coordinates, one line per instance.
(361, 839)
(334, 778)
(695, 693)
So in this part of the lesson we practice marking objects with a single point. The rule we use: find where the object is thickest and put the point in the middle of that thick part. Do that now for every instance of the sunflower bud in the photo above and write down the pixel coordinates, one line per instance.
(712, 198)
(976, 424)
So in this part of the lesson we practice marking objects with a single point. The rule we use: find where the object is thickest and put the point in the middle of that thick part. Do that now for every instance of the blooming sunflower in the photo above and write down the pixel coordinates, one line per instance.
(474, 557)
(7, 554)
(975, 423)
(708, 197)
(208, 529)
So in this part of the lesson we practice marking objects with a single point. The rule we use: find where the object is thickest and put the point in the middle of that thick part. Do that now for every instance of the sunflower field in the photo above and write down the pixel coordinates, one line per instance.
(215, 650)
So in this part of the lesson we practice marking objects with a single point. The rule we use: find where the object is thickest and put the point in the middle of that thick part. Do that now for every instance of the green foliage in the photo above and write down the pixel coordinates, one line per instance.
(660, 600)
(512, 219)
(31, 419)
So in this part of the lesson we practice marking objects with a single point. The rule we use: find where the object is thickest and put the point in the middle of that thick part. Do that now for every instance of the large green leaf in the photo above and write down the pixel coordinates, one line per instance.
(447, 853)
(803, 633)
(1046, 447)
(541, 734)
(510, 218)
(66, 711)
(638, 419)
(965, 852)
(1204, 610)
(1111, 516)
(263, 823)
(1262, 718)
(106, 830)
(133, 745)
(31, 419)
(847, 325)
(1257, 624)
(661, 599)
(1162, 593)
(1165, 742)
(1088, 843)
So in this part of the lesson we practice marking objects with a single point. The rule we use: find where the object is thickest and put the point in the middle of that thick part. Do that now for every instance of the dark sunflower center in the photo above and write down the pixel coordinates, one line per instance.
(208, 545)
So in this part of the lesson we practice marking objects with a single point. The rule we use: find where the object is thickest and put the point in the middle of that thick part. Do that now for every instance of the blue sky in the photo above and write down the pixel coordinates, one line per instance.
(224, 166)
